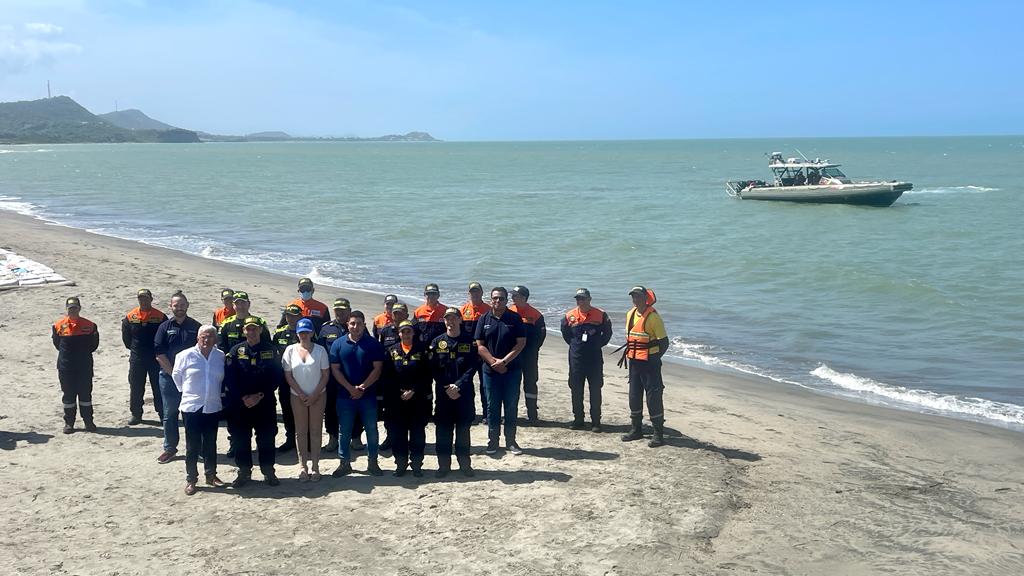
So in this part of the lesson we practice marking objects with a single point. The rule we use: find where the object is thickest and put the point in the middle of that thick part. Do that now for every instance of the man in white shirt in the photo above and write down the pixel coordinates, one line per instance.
(198, 374)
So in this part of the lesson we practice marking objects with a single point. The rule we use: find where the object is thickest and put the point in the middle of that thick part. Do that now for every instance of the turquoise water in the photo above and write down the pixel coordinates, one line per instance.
(916, 306)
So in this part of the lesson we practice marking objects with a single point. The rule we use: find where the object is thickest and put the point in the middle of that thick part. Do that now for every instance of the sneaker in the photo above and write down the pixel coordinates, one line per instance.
(514, 449)
(69, 429)
(165, 457)
(576, 425)
(492, 447)
(271, 479)
(373, 469)
(343, 469)
(190, 488)
(90, 427)
(135, 420)
(212, 480)
(240, 480)
(288, 446)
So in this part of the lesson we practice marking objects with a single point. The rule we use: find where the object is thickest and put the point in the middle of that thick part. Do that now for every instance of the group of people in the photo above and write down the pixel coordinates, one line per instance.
(347, 374)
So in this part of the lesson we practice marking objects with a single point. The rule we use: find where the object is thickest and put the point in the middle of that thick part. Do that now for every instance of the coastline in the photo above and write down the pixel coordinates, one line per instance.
(757, 475)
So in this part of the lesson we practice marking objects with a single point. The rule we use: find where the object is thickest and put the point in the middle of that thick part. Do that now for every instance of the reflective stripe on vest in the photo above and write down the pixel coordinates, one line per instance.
(637, 340)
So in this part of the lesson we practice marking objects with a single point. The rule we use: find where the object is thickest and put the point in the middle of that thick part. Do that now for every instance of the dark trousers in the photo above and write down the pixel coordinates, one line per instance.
(645, 379)
(502, 396)
(261, 419)
(531, 375)
(284, 396)
(331, 413)
(139, 368)
(580, 373)
(445, 429)
(200, 439)
(76, 392)
(408, 441)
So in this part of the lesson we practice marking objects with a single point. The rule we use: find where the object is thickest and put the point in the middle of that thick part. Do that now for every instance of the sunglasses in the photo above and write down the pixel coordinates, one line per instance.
(499, 298)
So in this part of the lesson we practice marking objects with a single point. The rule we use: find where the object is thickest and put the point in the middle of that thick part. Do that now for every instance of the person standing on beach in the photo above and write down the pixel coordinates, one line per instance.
(356, 362)
(138, 331)
(331, 331)
(471, 311)
(536, 332)
(177, 333)
(251, 376)
(75, 339)
(227, 310)
(408, 393)
(500, 337)
(586, 330)
(198, 375)
(231, 331)
(429, 317)
(284, 337)
(454, 361)
(388, 337)
(384, 318)
(315, 310)
(646, 342)
(306, 369)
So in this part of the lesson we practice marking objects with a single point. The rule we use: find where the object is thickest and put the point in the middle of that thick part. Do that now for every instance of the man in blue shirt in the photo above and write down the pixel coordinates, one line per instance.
(500, 337)
(177, 333)
(356, 363)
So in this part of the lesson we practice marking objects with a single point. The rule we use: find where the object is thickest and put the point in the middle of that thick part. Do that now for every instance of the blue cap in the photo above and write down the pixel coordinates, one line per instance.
(304, 325)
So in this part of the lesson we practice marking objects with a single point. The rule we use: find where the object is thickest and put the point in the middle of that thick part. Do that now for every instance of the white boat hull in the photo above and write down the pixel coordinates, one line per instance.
(860, 193)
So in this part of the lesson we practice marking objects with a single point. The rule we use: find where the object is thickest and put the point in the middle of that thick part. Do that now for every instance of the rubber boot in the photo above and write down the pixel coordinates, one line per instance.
(659, 435)
(636, 432)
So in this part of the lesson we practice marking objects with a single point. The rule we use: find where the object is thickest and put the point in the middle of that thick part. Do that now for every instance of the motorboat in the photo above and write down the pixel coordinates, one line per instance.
(815, 181)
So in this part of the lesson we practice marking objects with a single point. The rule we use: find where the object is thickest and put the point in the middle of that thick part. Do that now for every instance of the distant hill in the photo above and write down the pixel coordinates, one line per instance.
(285, 137)
(62, 120)
(267, 136)
(133, 119)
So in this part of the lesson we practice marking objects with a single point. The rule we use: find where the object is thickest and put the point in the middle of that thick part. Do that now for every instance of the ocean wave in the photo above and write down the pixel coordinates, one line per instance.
(15, 204)
(954, 190)
(703, 354)
(968, 407)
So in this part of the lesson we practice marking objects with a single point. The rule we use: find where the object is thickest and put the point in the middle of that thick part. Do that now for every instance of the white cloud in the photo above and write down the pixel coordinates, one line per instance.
(23, 49)
(43, 28)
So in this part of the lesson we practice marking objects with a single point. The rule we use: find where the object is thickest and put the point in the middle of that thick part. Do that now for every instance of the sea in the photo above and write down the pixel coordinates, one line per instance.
(917, 306)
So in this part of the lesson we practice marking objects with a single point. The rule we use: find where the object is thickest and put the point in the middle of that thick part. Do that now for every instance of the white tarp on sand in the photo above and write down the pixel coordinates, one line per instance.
(20, 272)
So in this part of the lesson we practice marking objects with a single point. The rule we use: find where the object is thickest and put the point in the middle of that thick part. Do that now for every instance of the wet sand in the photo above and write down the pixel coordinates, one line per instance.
(757, 477)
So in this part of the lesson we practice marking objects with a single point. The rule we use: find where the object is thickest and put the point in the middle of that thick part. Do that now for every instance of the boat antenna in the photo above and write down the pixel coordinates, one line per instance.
(801, 154)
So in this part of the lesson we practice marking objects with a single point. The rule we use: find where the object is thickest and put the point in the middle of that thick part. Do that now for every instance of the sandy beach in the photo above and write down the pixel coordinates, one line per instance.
(757, 477)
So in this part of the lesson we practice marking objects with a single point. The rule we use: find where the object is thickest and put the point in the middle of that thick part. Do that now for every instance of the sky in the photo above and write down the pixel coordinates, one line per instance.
(528, 70)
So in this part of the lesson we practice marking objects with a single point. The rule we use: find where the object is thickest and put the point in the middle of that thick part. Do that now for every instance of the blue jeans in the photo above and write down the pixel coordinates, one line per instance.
(172, 400)
(347, 408)
(502, 391)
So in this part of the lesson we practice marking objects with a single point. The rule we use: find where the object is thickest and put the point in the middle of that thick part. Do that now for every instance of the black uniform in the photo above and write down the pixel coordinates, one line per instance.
(75, 341)
(330, 332)
(251, 370)
(453, 360)
(138, 331)
(283, 338)
(586, 334)
(408, 371)
(232, 332)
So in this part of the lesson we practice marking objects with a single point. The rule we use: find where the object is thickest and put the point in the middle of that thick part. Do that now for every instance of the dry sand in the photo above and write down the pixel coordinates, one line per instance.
(757, 477)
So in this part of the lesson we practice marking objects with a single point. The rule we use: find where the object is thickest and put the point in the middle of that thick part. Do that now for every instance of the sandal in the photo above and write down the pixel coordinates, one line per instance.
(303, 476)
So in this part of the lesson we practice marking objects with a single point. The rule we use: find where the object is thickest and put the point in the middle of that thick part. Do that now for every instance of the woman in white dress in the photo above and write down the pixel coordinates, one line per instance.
(306, 368)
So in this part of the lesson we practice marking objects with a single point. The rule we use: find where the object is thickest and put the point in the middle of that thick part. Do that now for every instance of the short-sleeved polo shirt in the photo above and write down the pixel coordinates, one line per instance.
(356, 359)
(499, 334)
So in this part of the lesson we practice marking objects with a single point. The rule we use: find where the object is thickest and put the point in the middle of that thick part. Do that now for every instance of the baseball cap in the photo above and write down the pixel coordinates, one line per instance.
(431, 289)
(400, 306)
(251, 321)
(390, 299)
(73, 302)
(303, 282)
(453, 311)
(293, 310)
(637, 290)
(342, 303)
(582, 293)
(304, 325)
(522, 291)
(475, 286)
(241, 296)
(227, 293)
(145, 292)
(405, 324)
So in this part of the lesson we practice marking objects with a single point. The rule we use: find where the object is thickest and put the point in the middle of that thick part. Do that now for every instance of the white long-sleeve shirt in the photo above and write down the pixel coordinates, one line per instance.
(199, 379)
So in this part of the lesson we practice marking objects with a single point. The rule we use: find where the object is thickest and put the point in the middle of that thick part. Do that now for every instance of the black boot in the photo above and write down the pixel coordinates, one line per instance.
(636, 432)
(659, 435)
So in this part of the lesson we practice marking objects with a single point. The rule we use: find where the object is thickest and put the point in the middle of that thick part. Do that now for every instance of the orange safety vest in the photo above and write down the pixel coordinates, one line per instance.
(151, 316)
(427, 314)
(528, 313)
(471, 312)
(312, 308)
(68, 327)
(638, 341)
(575, 317)
(222, 314)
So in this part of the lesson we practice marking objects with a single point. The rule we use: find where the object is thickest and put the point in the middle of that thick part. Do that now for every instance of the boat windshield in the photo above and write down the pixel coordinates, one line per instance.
(833, 172)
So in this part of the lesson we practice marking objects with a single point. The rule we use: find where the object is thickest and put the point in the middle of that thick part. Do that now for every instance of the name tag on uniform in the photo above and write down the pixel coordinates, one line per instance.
(267, 355)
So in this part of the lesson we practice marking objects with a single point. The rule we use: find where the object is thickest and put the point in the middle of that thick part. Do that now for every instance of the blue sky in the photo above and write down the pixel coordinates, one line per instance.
(528, 70)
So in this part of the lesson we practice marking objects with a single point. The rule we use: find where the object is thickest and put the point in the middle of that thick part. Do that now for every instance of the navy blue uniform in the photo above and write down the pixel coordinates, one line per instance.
(252, 370)
(330, 332)
(283, 338)
(453, 361)
(586, 334)
(75, 341)
(408, 371)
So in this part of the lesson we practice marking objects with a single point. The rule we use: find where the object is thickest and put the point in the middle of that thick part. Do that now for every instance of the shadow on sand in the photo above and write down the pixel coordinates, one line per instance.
(9, 440)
